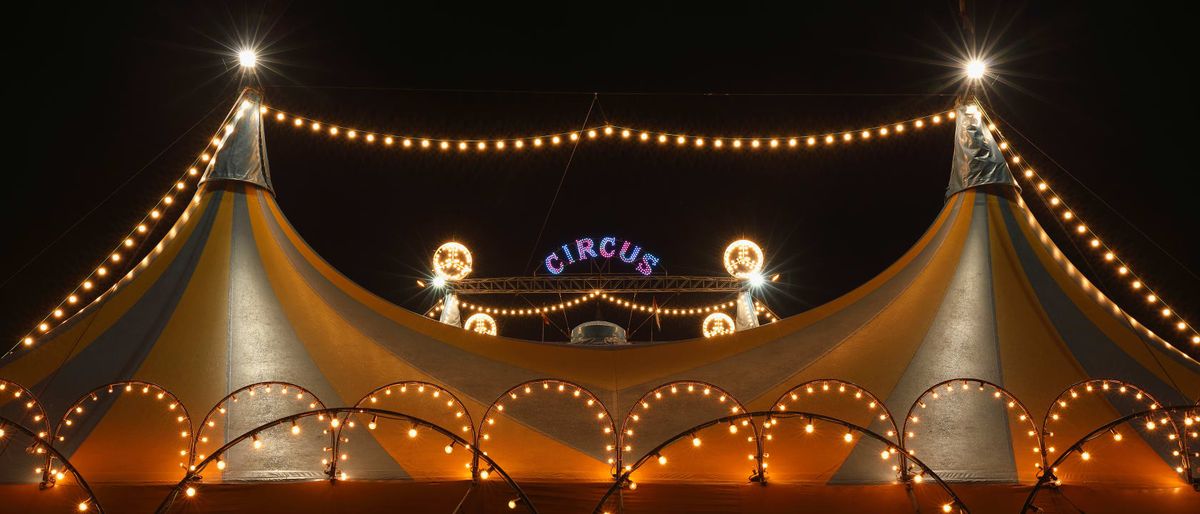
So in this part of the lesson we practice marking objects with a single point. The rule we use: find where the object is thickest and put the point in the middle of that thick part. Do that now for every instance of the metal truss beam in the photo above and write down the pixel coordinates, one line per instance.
(588, 283)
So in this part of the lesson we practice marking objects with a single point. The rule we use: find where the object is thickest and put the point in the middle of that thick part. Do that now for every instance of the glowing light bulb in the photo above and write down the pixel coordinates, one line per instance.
(190, 492)
(662, 460)
(412, 432)
(247, 58)
(696, 441)
(975, 70)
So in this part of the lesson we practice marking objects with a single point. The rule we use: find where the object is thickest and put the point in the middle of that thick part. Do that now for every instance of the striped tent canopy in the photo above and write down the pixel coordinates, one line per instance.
(981, 353)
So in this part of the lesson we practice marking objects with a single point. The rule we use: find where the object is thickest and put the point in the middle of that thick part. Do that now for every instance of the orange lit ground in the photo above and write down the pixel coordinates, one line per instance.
(367, 496)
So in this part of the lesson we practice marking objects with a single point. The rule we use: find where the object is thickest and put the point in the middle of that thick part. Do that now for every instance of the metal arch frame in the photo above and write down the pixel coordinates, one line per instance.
(1078, 445)
(1038, 431)
(1179, 439)
(760, 470)
(217, 406)
(45, 421)
(337, 436)
(487, 414)
(129, 384)
(623, 479)
(5, 422)
(194, 475)
(878, 401)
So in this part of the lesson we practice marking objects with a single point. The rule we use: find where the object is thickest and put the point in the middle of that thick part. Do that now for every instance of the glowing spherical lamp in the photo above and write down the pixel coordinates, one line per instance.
(718, 324)
(481, 323)
(743, 258)
(452, 261)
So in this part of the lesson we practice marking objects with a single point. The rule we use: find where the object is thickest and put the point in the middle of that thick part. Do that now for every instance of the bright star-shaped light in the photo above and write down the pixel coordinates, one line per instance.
(976, 68)
(247, 58)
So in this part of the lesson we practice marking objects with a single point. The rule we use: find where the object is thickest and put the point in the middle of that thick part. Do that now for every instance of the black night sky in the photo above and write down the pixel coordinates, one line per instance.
(108, 106)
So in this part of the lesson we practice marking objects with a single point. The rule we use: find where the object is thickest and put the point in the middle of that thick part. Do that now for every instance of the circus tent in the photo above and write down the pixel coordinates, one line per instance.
(981, 353)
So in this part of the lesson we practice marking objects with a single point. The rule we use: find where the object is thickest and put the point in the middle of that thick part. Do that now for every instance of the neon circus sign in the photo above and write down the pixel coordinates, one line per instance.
(586, 248)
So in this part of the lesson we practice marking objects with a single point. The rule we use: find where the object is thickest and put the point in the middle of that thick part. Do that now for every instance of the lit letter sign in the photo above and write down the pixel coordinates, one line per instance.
(586, 248)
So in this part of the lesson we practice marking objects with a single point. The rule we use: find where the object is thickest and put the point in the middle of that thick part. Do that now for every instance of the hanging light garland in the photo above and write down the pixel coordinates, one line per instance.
(566, 305)
(609, 131)
(92, 287)
(1071, 222)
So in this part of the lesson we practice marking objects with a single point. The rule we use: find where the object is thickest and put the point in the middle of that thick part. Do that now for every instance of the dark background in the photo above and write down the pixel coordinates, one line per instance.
(102, 103)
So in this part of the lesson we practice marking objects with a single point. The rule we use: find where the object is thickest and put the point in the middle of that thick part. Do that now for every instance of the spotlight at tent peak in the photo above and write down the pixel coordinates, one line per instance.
(247, 58)
(976, 68)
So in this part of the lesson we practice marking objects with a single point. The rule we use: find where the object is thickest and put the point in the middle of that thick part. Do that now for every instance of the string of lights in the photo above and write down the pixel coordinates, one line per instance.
(565, 305)
(92, 287)
(608, 131)
(1072, 223)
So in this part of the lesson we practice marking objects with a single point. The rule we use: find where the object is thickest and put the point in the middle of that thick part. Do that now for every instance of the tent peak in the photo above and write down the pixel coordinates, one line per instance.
(977, 160)
(242, 155)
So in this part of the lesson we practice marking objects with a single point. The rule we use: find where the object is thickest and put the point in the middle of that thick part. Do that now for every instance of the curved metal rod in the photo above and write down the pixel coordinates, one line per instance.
(480, 437)
(1123, 387)
(891, 418)
(40, 442)
(220, 405)
(1078, 445)
(1013, 401)
(421, 385)
(657, 392)
(30, 404)
(77, 408)
(194, 475)
(623, 479)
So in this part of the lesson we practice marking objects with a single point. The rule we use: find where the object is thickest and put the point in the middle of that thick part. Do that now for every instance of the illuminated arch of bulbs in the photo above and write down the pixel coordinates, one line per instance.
(960, 386)
(1189, 411)
(402, 390)
(1073, 225)
(88, 503)
(285, 390)
(187, 486)
(121, 261)
(828, 386)
(717, 324)
(669, 390)
(136, 388)
(1155, 413)
(520, 143)
(1093, 387)
(608, 426)
(36, 413)
(624, 479)
(481, 323)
